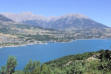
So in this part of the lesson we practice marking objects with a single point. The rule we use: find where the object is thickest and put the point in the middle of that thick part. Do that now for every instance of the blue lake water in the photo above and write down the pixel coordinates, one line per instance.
(51, 51)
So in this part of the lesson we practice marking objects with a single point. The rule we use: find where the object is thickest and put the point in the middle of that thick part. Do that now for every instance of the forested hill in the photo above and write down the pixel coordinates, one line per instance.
(86, 63)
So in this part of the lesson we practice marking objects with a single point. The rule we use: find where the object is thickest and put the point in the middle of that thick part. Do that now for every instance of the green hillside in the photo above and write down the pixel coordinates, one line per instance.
(86, 63)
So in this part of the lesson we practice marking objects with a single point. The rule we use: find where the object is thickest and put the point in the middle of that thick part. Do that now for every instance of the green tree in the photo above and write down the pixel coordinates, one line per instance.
(19, 72)
(3, 70)
(11, 64)
(36, 70)
(45, 69)
(31, 66)
(77, 68)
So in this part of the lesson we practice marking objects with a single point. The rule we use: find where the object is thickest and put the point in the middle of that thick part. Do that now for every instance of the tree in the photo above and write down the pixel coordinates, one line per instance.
(45, 69)
(3, 70)
(77, 68)
(19, 72)
(11, 64)
(36, 70)
(31, 66)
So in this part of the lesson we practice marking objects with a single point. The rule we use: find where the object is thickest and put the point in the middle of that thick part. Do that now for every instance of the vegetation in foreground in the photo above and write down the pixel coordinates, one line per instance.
(87, 63)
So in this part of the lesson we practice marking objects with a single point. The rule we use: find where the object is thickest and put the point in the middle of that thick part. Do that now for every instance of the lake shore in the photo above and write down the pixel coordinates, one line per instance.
(19, 45)
(26, 44)
(51, 51)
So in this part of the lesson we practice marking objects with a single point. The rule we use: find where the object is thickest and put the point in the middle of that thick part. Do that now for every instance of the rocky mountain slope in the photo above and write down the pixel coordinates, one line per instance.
(30, 28)
(76, 21)
(14, 33)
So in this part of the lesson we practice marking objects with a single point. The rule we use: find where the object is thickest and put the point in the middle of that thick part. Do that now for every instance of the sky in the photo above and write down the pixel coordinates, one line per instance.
(98, 10)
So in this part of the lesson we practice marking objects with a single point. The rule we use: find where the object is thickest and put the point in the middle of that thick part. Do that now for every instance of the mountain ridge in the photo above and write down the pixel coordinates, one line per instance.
(56, 22)
(62, 29)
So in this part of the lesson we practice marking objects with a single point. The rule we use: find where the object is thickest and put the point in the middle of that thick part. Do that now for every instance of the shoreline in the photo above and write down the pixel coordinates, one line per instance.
(21, 45)
(28, 44)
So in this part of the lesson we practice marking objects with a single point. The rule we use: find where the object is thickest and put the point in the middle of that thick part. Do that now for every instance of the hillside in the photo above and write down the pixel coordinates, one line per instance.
(59, 22)
(87, 63)
(5, 19)
(31, 29)
(14, 33)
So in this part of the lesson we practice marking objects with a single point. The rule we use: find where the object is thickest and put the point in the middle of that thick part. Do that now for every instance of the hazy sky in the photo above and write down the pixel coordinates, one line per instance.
(99, 10)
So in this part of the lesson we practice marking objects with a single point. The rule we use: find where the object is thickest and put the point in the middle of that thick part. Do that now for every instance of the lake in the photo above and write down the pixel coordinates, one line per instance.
(51, 51)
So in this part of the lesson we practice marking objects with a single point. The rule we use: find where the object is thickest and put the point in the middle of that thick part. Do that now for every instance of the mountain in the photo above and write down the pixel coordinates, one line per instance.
(29, 28)
(75, 21)
(15, 33)
(23, 16)
(5, 20)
